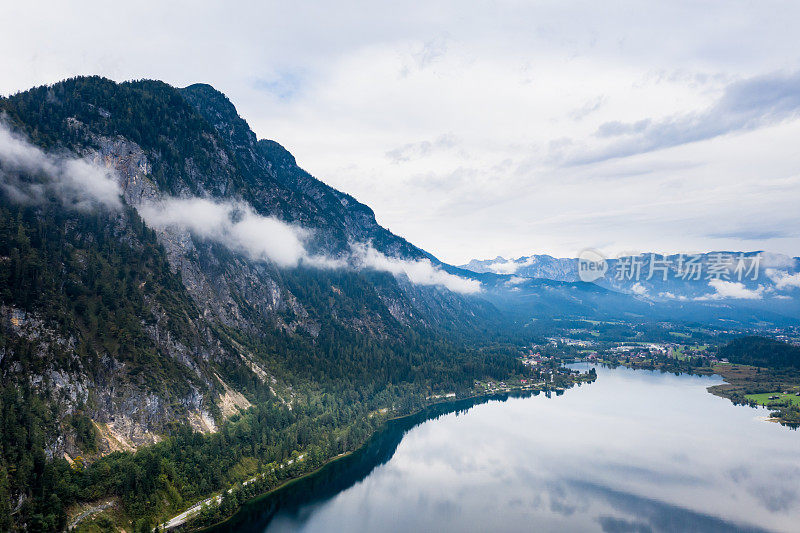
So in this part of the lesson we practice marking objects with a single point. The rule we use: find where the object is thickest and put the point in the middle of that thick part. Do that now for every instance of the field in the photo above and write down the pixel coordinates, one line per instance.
(763, 399)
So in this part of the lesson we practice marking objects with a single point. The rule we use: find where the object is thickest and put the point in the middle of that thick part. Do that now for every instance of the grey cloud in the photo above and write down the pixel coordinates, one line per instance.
(588, 108)
(746, 105)
(752, 235)
(284, 84)
(611, 524)
(421, 149)
(430, 51)
(456, 181)
(775, 499)
(615, 128)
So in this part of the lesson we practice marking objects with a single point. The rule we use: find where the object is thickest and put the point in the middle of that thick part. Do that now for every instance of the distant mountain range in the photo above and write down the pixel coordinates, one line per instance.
(533, 266)
(706, 286)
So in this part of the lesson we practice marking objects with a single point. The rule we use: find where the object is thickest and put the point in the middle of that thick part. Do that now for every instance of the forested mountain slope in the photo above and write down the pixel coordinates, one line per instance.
(163, 271)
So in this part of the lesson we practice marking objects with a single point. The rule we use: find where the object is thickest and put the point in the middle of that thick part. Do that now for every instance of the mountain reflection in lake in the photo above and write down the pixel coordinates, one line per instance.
(636, 451)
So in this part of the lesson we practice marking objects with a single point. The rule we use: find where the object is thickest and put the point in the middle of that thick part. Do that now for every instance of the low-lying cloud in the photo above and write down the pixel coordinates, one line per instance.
(237, 226)
(504, 266)
(233, 224)
(419, 271)
(732, 289)
(74, 182)
(784, 280)
(639, 290)
(28, 175)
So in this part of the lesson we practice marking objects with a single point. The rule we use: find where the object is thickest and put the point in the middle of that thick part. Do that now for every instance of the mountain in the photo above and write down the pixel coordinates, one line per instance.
(183, 307)
(534, 266)
(745, 287)
(173, 285)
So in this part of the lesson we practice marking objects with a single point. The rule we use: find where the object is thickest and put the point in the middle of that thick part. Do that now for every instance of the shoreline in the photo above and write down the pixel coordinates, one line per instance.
(734, 376)
(485, 397)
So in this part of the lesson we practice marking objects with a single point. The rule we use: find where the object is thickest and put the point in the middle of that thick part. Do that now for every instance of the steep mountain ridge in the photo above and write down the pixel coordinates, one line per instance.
(324, 208)
(146, 294)
(163, 142)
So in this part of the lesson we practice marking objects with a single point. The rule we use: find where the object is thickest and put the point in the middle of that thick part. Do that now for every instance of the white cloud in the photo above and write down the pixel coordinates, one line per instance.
(510, 266)
(639, 289)
(237, 226)
(773, 260)
(421, 149)
(85, 181)
(80, 184)
(420, 272)
(75, 182)
(670, 296)
(783, 280)
(16, 153)
(732, 289)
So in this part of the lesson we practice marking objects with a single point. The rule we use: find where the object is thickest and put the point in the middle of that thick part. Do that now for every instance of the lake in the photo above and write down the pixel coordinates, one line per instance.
(636, 451)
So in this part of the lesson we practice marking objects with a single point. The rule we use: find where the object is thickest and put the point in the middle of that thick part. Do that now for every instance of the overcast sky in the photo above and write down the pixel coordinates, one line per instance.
(477, 130)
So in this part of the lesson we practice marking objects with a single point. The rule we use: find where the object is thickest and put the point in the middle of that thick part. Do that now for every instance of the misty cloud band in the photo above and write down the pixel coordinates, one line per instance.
(234, 225)
(237, 226)
(420, 271)
(80, 184)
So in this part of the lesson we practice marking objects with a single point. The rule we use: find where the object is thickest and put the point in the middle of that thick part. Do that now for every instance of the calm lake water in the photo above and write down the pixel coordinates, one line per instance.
(636, 451)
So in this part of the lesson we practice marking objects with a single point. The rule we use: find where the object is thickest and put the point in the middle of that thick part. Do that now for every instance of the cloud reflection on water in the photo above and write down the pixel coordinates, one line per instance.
(636, 451)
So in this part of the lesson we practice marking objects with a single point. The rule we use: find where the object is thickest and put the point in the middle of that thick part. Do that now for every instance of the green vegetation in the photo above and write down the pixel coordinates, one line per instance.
(149, 113)
(94, 298)
(753, 385)
(162, 479)
(80, 272)
(612, 332)
(763, 352)
(95, 279)
(769, 399)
